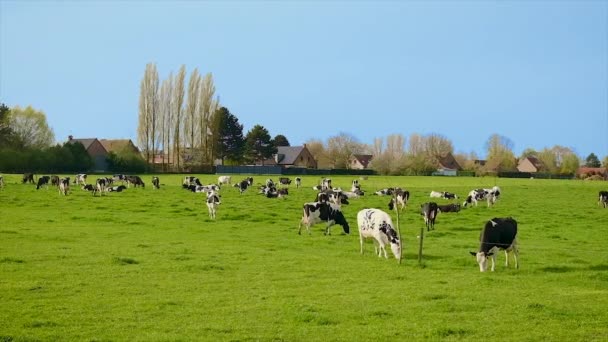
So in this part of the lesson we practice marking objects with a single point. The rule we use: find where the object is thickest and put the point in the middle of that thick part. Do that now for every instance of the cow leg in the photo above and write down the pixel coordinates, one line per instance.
(361, 241)
(493, 257)
(516, 254)
(506, 258)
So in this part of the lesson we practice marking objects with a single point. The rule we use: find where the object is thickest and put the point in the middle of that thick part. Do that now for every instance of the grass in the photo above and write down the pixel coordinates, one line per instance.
(150, 265)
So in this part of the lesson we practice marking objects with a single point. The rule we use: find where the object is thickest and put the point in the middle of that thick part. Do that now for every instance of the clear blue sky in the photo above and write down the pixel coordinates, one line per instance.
(534, 71)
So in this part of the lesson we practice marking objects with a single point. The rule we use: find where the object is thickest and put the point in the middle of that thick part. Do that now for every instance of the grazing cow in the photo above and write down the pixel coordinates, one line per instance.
(284, 181)
(28, 177)
(399, 201)
(119, 188)
(449, 208)
(269, 183)
(429, 211)
(213, 200)
(155, 183)
(326, 184)
(55, 180)
(64, 185)
(80, 178)
(244, 184)
(474, 196)
(44, 180)
(337, 197)
(603, 199)
(101, 185)
(316, 212)
(118, 177)
(298, 182)
(1, 182)
(498, 234)
(221, 180)
(136, 181)
(376, 224)
(443, 194)
(385, 192)
(191, 180)
(277, 193)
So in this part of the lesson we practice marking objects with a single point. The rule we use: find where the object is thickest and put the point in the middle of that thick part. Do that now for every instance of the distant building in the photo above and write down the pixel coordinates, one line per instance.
(529, 164)
(360, 161)
(591, 171)
(99, 149)
(447, 166)
(292, 156)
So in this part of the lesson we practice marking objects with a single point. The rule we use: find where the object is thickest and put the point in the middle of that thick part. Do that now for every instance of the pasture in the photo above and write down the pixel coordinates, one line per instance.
(148, 264)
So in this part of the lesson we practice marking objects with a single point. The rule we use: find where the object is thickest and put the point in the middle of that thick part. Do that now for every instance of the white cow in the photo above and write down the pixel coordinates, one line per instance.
(64, 185)
(221, 180)
(298, 182)
(376, 224)
(80, 179)
(213, 201)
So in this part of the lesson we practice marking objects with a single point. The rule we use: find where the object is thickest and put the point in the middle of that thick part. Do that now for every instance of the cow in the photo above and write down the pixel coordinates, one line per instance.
(1, 182)
(316, 212)
(221, 180)
(376, 224)
(191, 180)
(244, 184)
(28, 177)
(155, 183)
(118, 177)
(337, 197)
(498, 234)
(449, 208)
(429, 211)
(110, 181)
(119, 188)
(385, 192)
(284, 181)
(213, 200)
(326, 184)
(277, 193)
(55, 180)
(44, 180)
(474, 196)
(64, 185)
(80, 178)
(443, 194)
(136, 181)
(603, 199)
(101, 185)
(399, 201)
(269, 183)
(298, 182)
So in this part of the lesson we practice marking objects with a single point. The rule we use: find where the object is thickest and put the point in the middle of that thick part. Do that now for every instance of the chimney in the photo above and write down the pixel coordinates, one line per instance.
(70, 137)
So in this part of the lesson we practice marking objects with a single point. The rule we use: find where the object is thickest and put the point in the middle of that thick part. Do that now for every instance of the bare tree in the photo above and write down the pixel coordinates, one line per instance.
(318, 152)
(148, 110)
(31, 127)
(177, 102)
(207, 106)
(341, 148)
(165, 117)
(191, 111)
(500, 153)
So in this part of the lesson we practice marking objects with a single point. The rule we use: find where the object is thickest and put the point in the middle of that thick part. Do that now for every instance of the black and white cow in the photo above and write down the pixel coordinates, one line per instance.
(44, 180)
(101, 184)
(429, 211)
(326, 184)
(64, 185)
(119, 188)
(284, 181)
(376, 224)
(603, 199)
(80, 178)
(28, 177)
(54, 180)
(399, 200)
(491, 195)
(244, 184)
(213, 201)
(221, 180)
(118, 177)
(136, 181)
(270, 183)
(449, 208)
(443, 194)
(298, 182)
(385, 192)
(155, 183)
(334, 196)
(498, 234)
(316, 212)
(191, 180)
(277, 193)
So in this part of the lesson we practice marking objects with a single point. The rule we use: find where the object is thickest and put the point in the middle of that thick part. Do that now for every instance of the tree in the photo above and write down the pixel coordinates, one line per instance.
(207, 107)
(605, 162)
(592, 161)
(8, 138)
(528, 152)
(500, 153)
(148, 110)
(191, 121)
(229, 137)
(165, 117)
(176, 112)
(570, 164)
(258, 144)
(281, 140)
(318, 152)
(30, 127)
(341, 148)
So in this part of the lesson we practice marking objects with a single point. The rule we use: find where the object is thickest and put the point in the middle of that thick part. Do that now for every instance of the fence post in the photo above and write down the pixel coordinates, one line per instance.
(398, 230)
(420, 247)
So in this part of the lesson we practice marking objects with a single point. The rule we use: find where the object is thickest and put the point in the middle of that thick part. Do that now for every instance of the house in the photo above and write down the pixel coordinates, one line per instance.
(292, 156)
(447, 166)
(99, 149)
(360, 161)
(529, 164)
(584, 172)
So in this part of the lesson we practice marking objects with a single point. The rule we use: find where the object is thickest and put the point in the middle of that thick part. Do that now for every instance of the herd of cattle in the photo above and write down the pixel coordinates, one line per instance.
(497, 234)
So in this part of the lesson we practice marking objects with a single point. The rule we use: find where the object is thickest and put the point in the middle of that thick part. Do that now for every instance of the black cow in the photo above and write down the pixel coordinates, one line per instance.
(136, 181)
(603, 199)
(155, 183)
(64, 185)
(44, 180)
(191, 180)
(449, 208)
(277, 193)
(55, 180)
(498, 234)
(317, 212)
(284, 181)
(429, 211)
(244, 184)
(101, 185)
(28, 177)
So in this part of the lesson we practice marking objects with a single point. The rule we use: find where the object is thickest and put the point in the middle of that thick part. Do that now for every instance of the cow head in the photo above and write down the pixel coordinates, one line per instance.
(482, 259)
(341, 220)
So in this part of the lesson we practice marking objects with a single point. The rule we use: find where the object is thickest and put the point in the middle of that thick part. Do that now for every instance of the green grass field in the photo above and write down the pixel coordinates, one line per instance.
(148, 265)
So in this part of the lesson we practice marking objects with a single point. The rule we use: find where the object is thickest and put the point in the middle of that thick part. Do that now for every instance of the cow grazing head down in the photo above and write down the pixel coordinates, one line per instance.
(317, 212)
(498, 234)
(377, 224)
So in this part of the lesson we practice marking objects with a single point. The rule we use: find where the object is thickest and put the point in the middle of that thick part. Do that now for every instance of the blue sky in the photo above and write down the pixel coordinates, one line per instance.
(535, 72)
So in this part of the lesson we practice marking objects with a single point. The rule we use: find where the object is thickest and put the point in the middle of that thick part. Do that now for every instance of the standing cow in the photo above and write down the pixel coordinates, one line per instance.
(603, 199)
(213, 201)
(399, 201)
(155, 183)
(43, 181)
(316, 212)
(298, 182)
(221, 180)
(498, 234)
(28, 178)
(80, 179)
(429, 211)
(64, 185)
(376, 224)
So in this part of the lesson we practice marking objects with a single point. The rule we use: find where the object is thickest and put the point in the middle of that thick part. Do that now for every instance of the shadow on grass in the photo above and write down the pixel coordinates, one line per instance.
(124, 261)
(558, 269)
